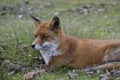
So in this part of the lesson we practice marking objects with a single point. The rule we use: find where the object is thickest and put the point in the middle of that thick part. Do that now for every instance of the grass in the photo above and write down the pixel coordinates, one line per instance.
(15, 31)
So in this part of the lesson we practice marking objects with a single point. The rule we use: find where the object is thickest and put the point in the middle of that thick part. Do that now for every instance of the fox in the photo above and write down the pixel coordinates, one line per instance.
(59, 49)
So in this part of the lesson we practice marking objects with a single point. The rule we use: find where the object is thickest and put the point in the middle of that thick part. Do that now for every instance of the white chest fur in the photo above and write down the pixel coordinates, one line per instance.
(49, 51)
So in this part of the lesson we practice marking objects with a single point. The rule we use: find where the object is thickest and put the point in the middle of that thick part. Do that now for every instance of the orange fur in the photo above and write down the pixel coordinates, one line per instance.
(74, 52)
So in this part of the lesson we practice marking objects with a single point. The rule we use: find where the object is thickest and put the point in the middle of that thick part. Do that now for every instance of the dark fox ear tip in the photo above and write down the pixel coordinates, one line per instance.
(34, 17)
(30, 15)
(55, 17)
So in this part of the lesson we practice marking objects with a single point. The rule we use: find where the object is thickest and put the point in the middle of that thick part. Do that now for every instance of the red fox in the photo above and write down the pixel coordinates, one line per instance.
(58, 49)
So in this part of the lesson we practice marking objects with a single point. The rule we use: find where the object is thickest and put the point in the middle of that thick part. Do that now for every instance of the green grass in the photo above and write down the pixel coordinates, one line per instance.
(15, 31)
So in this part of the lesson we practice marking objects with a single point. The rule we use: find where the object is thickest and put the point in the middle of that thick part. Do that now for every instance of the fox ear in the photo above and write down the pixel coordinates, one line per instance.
(55, 23)
(35, 20)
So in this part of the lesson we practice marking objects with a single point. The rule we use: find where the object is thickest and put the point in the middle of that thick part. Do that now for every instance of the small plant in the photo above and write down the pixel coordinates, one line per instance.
(3, 75)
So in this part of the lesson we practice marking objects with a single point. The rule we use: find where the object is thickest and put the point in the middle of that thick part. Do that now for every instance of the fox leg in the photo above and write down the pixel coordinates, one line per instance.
(104, 66)
(108, 66)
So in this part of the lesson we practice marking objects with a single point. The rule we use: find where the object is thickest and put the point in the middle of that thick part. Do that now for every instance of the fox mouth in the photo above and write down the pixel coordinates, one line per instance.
(38, 47)
(44, 46)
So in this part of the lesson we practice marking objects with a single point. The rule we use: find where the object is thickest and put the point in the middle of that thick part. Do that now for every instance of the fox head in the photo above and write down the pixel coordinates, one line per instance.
(46, 34)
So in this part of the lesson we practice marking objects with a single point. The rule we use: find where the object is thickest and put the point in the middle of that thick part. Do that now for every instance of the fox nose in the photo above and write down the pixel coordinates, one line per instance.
(33, 45)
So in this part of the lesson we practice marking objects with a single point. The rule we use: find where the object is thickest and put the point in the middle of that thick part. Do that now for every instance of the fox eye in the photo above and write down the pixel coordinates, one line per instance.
(44, 36)
(35, 36)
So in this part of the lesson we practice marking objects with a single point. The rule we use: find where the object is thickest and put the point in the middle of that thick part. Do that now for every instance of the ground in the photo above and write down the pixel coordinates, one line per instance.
(96, 19)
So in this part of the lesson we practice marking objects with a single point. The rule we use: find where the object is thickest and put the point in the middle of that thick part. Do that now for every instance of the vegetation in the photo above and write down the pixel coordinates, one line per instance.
(96, 19)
